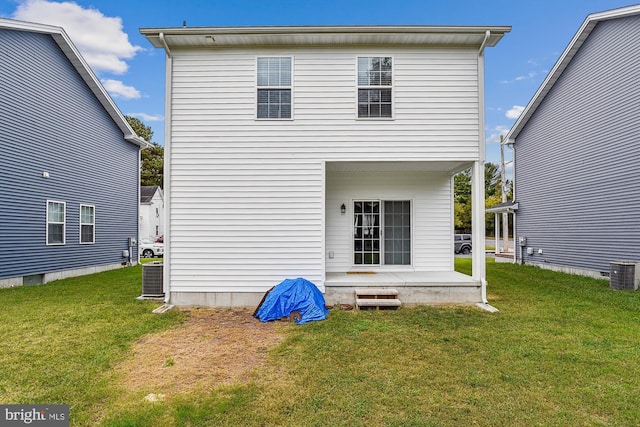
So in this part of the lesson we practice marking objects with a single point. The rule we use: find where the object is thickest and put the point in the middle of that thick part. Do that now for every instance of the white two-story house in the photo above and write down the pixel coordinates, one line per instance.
(326, 153)
(151, 212)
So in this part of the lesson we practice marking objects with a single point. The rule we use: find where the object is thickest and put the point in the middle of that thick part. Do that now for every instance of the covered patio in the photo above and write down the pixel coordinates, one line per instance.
(504, 253)
(414, 287)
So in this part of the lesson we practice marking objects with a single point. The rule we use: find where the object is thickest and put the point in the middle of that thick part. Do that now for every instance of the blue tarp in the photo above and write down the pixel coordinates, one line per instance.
(299, 295)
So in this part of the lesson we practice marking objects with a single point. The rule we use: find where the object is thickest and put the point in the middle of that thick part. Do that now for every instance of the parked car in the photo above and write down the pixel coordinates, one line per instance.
(150, 249)
(462, 243)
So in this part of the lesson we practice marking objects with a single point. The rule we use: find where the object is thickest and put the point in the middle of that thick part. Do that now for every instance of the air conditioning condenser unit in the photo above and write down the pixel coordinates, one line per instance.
(152, 282)
(624, 275)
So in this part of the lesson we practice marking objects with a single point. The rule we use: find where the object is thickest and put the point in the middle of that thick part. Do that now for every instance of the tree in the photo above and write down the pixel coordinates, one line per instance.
(152, 158)
(143, 131)
(462, 201)
(462, 197)
(492, 180)
(152, 165)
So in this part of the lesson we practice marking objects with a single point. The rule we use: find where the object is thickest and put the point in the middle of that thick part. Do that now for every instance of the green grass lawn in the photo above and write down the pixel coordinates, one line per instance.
(562, 351)
(60, 340)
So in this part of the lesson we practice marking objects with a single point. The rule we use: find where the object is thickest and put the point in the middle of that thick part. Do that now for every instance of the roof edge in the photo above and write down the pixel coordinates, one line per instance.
(563, 62)
(153, 34)
(67, 47)
(324, 29)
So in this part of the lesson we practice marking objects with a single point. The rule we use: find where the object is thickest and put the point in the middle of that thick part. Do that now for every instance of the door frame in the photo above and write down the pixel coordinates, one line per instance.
(381, 236)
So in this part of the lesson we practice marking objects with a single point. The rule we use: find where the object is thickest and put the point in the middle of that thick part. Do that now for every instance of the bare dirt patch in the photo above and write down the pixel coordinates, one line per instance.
(213, 347)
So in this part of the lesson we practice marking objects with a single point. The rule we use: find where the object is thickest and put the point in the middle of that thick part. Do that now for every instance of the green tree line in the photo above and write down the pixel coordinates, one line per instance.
(152, 158)
(462, 197)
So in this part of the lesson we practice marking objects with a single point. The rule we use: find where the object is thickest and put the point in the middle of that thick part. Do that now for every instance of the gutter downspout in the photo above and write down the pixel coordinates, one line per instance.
(479, 261)
(487, 34)
(166, 277)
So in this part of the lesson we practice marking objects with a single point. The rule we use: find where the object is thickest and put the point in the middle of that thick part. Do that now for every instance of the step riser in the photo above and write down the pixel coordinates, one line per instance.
(380, 298)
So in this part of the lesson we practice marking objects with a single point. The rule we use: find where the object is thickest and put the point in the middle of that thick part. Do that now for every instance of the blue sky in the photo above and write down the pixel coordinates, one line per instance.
(107, 34)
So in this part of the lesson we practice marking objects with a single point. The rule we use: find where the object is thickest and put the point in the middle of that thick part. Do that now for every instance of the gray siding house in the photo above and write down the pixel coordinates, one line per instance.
(69, 162)
(577, 152)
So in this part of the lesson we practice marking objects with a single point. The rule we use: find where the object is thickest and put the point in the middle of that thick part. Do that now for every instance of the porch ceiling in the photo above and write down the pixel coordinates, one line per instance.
(397, 166)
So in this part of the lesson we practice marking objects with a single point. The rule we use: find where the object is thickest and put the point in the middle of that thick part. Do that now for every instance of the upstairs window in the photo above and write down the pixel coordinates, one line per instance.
(374, 86)
(87, 224)
(274, 88)
(55, 222)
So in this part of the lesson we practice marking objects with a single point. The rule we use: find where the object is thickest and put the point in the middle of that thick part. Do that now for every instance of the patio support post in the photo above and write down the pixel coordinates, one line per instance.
(477, 187)
(478, 224)
(496, 231)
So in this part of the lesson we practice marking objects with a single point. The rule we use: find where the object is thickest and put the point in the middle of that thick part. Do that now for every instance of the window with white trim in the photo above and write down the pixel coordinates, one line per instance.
(382, 232)
(375, 80)
(55, 222)
(274, 87)
(87, 224)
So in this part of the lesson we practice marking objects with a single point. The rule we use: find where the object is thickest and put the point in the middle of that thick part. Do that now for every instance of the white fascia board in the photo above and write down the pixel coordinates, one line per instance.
(322, 35)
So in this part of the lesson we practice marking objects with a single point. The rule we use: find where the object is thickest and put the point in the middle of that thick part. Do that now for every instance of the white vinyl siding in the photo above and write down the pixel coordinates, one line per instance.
(87, 224)
(56, 222)
(152, 217)
(429, 193)
(247, 226)
(248, 196)
(436, 107)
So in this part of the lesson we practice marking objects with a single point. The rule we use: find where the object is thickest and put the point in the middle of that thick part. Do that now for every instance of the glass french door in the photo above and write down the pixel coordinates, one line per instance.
(382, 232)
(366, 232)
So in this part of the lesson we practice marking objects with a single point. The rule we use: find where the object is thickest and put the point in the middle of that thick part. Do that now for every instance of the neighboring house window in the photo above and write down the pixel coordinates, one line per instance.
(55, 222)
(157, 212)
(87, 224)
(374, 86)
(274, 88)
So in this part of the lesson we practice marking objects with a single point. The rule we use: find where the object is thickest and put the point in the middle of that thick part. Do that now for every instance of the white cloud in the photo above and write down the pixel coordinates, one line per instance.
(529, 76)
(508, 168)
(100, 39)
(147, 117)
(495, 133)
(514, 112)
(117, 89)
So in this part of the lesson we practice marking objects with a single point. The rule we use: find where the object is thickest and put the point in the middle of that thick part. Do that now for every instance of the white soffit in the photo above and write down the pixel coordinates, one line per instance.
(224, 37)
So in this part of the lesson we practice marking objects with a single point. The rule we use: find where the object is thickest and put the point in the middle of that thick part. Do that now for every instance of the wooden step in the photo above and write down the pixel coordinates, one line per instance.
(367, 302)
(377, 298)
(376, 292)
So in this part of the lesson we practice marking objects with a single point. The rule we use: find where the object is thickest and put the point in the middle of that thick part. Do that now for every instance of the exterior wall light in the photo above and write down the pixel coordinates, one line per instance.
(343, 209)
